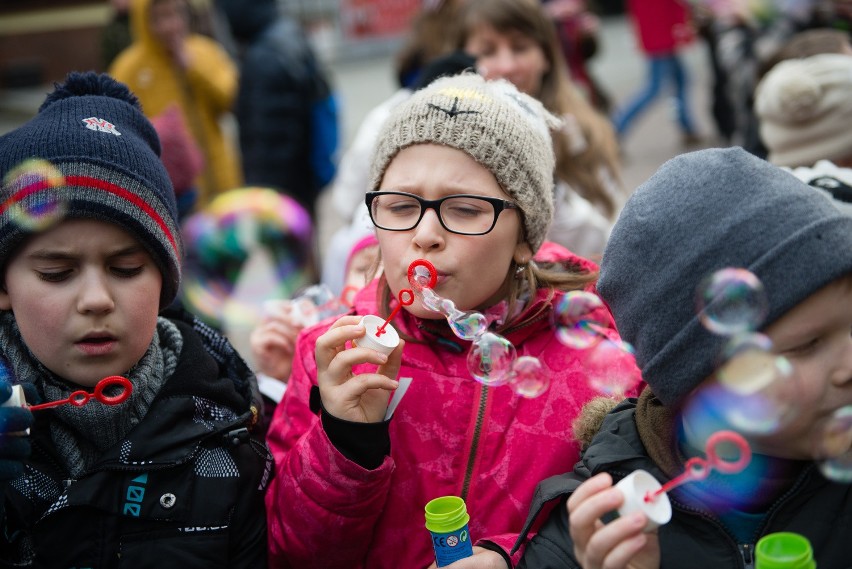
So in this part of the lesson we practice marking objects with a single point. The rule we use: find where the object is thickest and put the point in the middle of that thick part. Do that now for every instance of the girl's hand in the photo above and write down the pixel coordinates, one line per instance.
(273, 342)
(481, 559)
(359, 398)
(620, 543)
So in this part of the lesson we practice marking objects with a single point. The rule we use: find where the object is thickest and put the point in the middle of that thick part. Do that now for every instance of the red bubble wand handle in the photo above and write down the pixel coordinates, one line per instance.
(80, 398)
(699, 468)
(406, 298)
(417, 269)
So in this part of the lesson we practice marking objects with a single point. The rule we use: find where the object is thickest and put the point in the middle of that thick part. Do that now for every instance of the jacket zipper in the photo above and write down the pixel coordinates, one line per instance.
(474, 444)
(480, 418)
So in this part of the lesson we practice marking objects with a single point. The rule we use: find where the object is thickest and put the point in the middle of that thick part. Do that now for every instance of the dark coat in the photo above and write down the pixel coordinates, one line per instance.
(184, 489)
(282, 89)
(813, 507)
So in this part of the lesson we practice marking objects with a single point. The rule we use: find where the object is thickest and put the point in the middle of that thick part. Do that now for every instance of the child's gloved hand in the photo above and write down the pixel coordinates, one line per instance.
(14, 446)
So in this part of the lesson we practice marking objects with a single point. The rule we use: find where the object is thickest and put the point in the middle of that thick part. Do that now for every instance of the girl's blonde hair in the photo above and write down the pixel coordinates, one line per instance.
(587, 155)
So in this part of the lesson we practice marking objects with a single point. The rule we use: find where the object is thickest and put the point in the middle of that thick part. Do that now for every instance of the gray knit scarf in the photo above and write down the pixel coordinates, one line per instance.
(82, 434)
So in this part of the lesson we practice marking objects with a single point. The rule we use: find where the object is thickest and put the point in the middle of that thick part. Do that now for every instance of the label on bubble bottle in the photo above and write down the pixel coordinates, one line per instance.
(446, 520)
(452, 546)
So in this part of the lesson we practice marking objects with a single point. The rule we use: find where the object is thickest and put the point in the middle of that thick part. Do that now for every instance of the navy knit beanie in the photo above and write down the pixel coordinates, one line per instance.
(91, 130)
(702, 212)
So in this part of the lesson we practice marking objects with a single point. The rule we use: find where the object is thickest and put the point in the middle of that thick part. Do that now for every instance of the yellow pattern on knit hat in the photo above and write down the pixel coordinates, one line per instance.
(501, 128)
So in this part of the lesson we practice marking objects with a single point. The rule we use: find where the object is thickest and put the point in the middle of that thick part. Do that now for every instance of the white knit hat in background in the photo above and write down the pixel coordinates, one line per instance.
(805, 110)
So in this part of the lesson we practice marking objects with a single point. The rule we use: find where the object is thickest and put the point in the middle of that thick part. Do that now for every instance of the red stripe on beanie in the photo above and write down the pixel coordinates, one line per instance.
(88, 181)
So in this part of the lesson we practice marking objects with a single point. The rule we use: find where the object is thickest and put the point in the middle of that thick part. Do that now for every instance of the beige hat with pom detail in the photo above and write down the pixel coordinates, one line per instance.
(503, 129)
(805, 110)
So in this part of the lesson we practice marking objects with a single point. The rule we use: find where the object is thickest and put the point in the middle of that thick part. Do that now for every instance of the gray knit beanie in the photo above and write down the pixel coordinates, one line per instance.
(702, 212)
(503, 129)
(91, 152)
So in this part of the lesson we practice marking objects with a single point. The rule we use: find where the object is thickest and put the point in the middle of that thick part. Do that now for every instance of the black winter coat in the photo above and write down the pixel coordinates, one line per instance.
(281, 82)
(813, 507)
(184, 489)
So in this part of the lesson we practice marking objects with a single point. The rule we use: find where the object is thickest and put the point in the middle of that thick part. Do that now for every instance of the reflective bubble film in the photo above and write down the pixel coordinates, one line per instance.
(490, 359)
(611, 367)
(731, 301)
(431, 300)
(246, 247)
(835, 447)
(468, 325)
(763, 386)
(529, 378)
(36, 187)
(574, 319)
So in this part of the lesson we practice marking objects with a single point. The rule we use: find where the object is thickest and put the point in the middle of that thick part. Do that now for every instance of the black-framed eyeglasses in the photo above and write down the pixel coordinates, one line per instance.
(462, 213)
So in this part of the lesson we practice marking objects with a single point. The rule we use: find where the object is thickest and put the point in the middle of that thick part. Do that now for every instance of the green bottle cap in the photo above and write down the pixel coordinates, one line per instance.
(784, 550)
(446, 514)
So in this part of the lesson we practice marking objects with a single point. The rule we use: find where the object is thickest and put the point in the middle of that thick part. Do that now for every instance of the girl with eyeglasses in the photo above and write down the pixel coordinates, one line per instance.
(463, 178)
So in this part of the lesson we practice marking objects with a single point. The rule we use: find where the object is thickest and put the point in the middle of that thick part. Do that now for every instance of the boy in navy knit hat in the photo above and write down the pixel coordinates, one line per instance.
(90, 252)
(701, 213)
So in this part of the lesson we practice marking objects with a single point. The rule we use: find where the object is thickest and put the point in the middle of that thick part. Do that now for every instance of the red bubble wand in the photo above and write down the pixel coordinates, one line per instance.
(80, 398)
(406, 295)
(699, 468)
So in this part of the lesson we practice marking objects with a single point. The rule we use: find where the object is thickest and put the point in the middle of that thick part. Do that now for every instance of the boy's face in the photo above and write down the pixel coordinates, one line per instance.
(85, 295)
(816, 337)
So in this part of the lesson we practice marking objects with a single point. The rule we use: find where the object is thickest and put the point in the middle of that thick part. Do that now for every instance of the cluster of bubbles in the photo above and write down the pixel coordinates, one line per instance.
(36, 201)
(578, 323)
(756, 390)
(492, 359)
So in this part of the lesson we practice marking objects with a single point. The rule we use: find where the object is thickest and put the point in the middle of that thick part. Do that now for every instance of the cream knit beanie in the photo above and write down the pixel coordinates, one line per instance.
(506, 131)
(805, 110)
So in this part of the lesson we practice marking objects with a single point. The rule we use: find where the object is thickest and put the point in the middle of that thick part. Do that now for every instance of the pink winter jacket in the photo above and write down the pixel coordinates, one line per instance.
(450, 435)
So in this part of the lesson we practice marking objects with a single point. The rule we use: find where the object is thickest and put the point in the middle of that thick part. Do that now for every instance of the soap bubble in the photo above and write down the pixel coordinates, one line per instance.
(421, 277)
(431, 300)
(315, 303)
(835, 447)
(529, 378)
(731, 301)
(245, 247)
(468, 325)
(574, 319)
(35, 202)
(490, 359)
(762, 386)
(611, 367)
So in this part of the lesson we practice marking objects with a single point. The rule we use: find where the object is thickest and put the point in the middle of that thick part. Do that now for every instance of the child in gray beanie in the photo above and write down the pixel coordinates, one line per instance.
(90, 252)
(701, 213)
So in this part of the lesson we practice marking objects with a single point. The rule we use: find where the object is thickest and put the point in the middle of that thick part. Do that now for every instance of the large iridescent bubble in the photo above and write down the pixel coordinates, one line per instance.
(611, 367)
(575, 319)
(731, 301)
(763, 387)
(246, 247)
(36, 201)
(490, 359)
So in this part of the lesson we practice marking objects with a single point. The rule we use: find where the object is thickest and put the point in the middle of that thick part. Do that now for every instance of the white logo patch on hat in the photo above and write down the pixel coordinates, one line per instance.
(100, 125)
